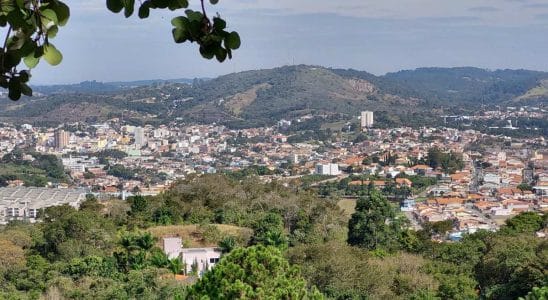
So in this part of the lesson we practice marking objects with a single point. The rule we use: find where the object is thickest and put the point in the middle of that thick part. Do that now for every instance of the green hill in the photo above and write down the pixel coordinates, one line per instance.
(261, 97)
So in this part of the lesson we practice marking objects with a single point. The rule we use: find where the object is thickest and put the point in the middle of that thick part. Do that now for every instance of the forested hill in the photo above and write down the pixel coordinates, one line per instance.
(260, 97)
(102, 87)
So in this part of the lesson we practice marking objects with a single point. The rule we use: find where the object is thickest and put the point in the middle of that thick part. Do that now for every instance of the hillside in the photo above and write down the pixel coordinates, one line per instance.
(260, 97)
(468, 85)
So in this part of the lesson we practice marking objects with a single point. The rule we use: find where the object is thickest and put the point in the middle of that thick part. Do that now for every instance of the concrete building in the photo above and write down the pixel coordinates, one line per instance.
(140, 138)
(366, 119)
(328, 169)
(199, 260)
(408, 205)
(60, 139)
(172, 246)
(24, 203)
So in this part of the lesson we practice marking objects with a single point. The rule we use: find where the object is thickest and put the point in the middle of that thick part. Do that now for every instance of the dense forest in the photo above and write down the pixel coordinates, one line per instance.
(290, 244)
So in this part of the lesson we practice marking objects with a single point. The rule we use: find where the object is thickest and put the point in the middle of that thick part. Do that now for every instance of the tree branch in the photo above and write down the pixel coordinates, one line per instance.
(4, 48)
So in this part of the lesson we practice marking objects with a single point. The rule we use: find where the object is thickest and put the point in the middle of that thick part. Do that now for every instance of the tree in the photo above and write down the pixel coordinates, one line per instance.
(227, 244)
(257, 272)
(537, 294)
(69, 233)
(269, 231)
(13, 256)
(512, 266)
(136, 252)
(524, 222)
(525, 187)
(448, 162)
(373, 225)
(31, 25)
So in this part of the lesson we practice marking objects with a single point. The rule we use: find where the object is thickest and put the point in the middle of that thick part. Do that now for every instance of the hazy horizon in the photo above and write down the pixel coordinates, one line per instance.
(377, 37)
(213, 77)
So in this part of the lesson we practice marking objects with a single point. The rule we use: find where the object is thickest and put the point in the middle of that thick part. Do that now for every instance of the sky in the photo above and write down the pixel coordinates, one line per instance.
(377, 36)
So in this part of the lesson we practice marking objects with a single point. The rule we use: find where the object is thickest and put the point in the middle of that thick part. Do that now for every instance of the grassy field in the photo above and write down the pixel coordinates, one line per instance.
(348, 206)
(541, 90)
(193, 235)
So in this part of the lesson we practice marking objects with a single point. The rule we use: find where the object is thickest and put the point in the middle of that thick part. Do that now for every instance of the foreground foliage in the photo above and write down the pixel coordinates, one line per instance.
(295, 242)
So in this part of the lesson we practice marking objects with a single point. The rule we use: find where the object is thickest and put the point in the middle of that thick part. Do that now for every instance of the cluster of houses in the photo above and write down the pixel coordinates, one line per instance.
(482, 197)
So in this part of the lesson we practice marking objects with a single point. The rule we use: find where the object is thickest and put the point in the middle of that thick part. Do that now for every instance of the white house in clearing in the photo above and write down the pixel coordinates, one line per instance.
(193, 259)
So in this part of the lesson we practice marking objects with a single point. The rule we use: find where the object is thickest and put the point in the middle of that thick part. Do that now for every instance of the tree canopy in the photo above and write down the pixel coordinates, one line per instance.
(257, 272)
(32, 24)
(373, 225)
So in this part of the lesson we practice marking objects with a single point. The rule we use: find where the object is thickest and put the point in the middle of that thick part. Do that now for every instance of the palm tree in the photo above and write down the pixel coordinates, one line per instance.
(146, 241)
(175, 266)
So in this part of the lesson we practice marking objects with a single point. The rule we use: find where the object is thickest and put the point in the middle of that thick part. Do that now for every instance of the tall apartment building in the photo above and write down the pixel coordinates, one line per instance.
(366, 119)
(61, 139)
(327, 169)
(140, 138)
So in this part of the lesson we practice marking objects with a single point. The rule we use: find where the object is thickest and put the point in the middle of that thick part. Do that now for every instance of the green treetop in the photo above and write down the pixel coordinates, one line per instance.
(257, 272)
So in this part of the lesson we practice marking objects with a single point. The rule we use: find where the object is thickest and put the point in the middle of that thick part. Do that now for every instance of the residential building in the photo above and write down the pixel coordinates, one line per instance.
(61, 139)
(140, 138)
(366, 119)
(328, 169)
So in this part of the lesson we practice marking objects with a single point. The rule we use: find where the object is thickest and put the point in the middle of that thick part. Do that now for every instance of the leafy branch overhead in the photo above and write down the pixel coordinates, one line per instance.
(29, 25)
(194, 26)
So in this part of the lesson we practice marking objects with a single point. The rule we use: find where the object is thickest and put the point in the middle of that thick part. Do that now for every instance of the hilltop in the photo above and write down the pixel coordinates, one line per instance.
(260, 97)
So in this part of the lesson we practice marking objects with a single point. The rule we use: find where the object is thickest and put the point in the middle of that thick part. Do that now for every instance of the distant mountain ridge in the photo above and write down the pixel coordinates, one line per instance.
(262, 97)
(93, 86)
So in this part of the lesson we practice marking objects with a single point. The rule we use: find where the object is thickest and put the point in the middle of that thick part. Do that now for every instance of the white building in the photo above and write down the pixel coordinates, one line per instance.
(140, 139)
(328, 169)
(172, 247)
(199, 260)
(366, 119)
(24, 203)
(492, 178)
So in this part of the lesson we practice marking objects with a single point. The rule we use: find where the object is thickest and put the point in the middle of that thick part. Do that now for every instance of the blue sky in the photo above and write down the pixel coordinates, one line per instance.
(377, 36)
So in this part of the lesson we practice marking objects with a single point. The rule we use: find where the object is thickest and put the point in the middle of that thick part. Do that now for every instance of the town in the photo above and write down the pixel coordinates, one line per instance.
(434, 174)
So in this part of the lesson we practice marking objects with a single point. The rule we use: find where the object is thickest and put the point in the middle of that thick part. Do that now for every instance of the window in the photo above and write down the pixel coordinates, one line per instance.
(213, 260)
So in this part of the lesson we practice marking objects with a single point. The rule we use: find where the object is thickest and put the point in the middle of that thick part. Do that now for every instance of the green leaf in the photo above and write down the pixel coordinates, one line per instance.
(232, 41)
(180, 22)
(177, 4)
(52, 31)
(194, 15)
(14, 88)
(144, 10)
(129, 6)
(16, 18)
(26, 90)
(207, 52)
(160, 3)
(28, 48)
(179, 35)
(63, 13)
(24, 76)
(220, 54)
(50, 15)
(11, 59)
(115, 6)
(52, 55)
(219, 23)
